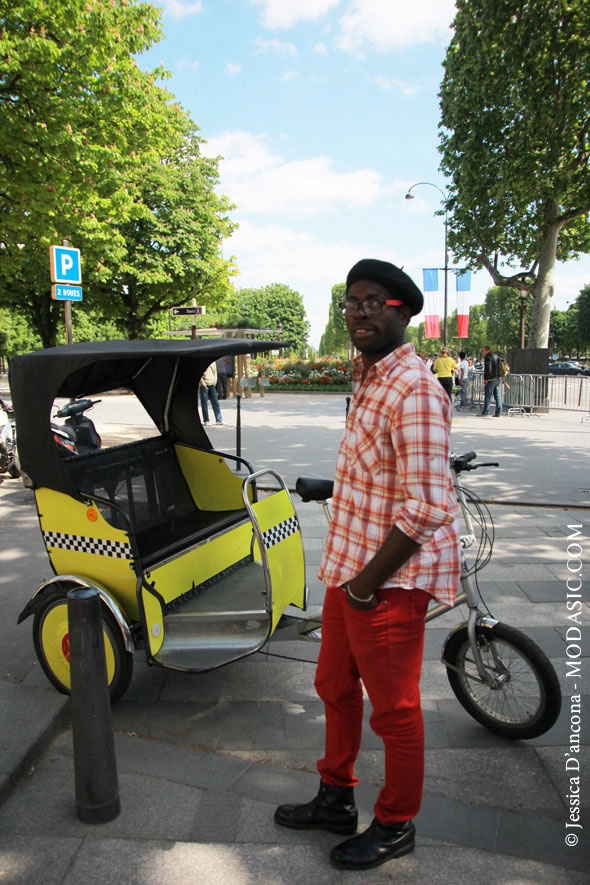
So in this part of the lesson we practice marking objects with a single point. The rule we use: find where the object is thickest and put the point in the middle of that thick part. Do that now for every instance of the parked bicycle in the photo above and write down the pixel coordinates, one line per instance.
(501, 677)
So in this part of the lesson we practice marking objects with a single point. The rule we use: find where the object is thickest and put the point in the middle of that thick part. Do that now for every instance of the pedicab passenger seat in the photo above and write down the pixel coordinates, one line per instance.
(144, 480)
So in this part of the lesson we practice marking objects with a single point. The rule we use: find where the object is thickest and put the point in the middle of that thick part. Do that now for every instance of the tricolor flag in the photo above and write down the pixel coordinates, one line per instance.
(463, 281)
(431, 315)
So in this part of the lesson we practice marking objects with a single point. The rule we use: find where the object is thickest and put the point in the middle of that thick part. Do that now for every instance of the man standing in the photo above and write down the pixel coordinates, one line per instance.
(208, 392)
(462, 377)
(393, 544)
(491, 377)
(221, 386)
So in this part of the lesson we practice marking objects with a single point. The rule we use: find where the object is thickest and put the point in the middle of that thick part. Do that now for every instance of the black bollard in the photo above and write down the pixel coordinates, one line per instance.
(348, 400)
(238, 430)
(95, 765)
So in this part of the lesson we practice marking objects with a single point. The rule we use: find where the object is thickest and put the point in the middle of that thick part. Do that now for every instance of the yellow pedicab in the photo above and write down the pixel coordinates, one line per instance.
(192, 564)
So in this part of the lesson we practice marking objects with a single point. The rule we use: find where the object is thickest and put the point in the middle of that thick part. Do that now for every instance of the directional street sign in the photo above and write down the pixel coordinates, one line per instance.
(65, 265)
(187, 311)
(66, 293)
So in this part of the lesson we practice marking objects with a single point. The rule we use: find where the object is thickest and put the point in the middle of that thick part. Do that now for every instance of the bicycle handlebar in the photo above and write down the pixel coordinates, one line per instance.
(461, 462)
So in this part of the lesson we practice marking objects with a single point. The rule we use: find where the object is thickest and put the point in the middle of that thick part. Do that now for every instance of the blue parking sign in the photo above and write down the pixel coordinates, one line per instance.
(59, 292)
(65, 265)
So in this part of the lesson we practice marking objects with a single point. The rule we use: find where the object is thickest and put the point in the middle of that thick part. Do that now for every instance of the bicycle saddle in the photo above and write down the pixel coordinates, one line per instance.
(314, 488)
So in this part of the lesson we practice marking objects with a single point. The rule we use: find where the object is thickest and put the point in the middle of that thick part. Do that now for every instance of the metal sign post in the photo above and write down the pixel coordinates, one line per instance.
(66, 269)
(195, 310)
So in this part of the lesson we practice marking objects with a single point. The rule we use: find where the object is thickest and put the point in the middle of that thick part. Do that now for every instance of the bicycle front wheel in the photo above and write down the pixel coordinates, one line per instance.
(524, 701)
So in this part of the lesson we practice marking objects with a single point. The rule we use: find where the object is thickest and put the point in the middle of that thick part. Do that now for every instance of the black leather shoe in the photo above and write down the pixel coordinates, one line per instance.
(375, 846)
(333, 809)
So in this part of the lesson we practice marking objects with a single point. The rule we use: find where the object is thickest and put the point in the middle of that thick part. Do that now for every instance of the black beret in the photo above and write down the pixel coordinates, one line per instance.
(391, 277)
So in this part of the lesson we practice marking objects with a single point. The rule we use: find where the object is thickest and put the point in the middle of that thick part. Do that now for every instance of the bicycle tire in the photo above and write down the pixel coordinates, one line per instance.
(527, 704)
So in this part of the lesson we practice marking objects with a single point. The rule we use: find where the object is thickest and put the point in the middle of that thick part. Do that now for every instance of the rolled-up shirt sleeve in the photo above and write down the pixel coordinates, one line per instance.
(420, 438)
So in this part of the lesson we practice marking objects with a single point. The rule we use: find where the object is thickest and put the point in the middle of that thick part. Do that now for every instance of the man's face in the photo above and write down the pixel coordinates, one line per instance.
(376, 336)
(485, 350)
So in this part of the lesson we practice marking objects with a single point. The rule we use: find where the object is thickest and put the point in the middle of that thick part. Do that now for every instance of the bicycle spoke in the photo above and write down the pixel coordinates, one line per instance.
(513, 701)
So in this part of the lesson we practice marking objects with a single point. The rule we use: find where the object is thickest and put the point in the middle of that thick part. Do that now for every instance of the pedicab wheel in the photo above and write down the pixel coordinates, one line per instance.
(51, 640)
(526, 698)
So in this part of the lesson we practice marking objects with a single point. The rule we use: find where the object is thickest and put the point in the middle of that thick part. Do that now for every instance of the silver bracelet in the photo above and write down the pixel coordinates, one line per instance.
(346, 588)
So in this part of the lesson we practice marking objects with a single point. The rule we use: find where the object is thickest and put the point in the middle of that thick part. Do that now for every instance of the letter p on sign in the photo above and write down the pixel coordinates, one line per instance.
(65, 265)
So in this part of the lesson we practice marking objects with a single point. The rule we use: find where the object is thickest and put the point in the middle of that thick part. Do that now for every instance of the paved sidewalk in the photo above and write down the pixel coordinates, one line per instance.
(204, 760)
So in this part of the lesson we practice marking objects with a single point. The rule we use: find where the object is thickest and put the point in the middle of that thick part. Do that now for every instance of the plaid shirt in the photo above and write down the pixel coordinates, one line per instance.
(393, 469)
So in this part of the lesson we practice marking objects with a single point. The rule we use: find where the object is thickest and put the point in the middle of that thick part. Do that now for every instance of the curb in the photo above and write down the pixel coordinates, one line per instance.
(44, 716)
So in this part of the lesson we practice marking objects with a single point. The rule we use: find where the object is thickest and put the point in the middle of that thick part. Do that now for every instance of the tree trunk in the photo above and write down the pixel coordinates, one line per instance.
(543, 288)
(44, 313)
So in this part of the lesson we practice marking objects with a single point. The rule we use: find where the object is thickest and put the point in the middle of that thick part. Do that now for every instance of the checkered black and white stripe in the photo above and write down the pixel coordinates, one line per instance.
(280, 532)
(81, 544)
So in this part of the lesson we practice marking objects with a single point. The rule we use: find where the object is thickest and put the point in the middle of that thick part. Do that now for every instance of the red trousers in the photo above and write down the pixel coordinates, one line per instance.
(382, 647)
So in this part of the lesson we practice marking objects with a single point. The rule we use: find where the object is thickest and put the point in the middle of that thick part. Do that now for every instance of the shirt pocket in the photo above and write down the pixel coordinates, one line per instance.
(366, 448)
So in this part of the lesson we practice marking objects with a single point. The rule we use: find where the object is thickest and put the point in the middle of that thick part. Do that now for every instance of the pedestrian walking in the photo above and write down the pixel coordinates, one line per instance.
(491, 377)
(393, 544)
(443, 368)
(463, 373)
(208, 393)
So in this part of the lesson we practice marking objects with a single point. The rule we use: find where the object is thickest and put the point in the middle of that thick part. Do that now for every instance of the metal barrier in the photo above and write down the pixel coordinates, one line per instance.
(525, 394)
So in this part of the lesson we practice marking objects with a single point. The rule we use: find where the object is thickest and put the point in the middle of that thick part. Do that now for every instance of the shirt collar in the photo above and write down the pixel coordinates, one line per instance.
(388, 363)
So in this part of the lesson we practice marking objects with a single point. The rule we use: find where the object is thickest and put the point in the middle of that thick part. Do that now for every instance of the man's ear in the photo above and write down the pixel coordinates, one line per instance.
(405, 313)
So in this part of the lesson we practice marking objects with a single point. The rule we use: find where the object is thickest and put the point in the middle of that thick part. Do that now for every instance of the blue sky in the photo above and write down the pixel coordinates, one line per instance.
(325, 112)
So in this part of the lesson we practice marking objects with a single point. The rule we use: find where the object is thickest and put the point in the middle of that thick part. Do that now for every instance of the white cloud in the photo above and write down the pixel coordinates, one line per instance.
(320, 49)
(233, 69)
(386, 25)
(277, 47)
(271, 253)
(289, 76)
(285, 13)
(186, 63)
(178, 9)
(266, 184)
(390, 83)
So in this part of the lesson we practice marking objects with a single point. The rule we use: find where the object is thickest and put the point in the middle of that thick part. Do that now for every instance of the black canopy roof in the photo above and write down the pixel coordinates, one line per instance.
(163, 374)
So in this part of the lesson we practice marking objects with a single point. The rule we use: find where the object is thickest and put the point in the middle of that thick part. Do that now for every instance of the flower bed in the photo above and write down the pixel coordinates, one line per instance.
(325, 374)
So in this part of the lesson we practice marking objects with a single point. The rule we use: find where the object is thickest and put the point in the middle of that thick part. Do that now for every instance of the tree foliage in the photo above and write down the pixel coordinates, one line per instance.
(335, 339)
(266, 308)
(564, 336)
(515, 142)
(85, 134)
(583, 317)
(172, 249)
(502, 309)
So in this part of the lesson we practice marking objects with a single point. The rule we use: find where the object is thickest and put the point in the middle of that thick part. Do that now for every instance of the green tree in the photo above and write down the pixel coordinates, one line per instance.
(84, 133)
(560, 333)
(335, 339)
(173, 247)
(502, 310)
(415, 335)
(515, 142)
(266, 308)
(16, 334)
(583, 317)
(477, 330)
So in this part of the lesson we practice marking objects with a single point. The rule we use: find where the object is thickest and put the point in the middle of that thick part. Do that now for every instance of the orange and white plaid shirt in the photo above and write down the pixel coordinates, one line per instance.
(393, 469)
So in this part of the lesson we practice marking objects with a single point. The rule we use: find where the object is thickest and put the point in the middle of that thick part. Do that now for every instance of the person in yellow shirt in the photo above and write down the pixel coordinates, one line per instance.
(443, 368)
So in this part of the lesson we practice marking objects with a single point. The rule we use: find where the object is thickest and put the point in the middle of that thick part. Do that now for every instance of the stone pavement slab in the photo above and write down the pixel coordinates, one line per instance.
(29, 719)
(233, 817)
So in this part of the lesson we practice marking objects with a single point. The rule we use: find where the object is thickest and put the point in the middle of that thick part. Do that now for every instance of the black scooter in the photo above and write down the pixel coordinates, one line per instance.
(78, 434)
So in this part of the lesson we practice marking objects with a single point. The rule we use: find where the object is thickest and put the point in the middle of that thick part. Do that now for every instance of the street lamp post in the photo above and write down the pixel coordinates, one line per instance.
(410, 196)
